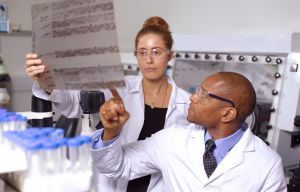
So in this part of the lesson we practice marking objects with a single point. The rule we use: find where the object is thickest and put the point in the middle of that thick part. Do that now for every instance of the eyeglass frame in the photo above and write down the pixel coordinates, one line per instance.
(151, 54)
(199, 89)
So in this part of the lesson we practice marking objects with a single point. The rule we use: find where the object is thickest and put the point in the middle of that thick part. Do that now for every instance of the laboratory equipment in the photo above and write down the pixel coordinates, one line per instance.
(41, 112)
(90, 102)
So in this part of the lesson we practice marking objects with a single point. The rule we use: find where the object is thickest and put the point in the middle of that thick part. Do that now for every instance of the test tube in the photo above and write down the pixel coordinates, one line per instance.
(34, 158)
(73, 152)
(12, 120)
(84, 152)
(1, 131)
(21, 123)
(62, 154)
(51, 157)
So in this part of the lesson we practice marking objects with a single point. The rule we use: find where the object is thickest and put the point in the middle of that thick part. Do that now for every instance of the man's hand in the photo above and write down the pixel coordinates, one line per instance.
(113, 116)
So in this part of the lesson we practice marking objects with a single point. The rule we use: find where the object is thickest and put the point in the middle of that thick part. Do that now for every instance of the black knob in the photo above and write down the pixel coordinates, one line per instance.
(218, 57)
(187, 56)
(269, 127)
(254, 58)
(277, 75)
(297, 121)
(274, 92)
(272, 109)
(229, 57)
(177, 55)
(241, 58)
(90, 101)
(196, 56)
(278, 61)
(268, 59)
(206, 56)
(129, 67)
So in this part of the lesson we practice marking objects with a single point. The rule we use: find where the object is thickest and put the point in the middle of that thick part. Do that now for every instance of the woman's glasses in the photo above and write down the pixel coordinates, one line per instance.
(155, 53)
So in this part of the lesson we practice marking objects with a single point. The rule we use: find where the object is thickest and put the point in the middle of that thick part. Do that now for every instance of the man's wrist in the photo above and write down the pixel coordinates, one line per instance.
(48, 92)
(109, 135)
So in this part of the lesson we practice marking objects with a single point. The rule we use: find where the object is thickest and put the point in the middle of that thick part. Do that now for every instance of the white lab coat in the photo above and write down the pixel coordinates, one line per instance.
(67, 102)
(176, 152)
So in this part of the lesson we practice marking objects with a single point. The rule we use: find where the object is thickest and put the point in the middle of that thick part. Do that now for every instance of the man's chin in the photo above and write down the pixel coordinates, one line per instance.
(190, 119)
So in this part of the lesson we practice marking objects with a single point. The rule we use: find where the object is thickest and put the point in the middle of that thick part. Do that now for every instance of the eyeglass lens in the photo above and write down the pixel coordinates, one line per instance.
(156, 53)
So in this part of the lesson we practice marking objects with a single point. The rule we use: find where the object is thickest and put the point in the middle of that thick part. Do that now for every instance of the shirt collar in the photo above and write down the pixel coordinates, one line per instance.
(224, 145)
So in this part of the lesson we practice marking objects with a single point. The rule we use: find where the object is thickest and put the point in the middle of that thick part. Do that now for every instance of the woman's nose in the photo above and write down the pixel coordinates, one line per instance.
(149, 58)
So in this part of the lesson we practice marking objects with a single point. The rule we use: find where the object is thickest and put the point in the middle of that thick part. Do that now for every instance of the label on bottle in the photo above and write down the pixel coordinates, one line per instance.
(3, 18)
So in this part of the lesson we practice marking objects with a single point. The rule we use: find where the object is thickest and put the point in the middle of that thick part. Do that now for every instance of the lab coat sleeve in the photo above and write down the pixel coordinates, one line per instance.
(98, 143)
(65, 101)
(275, 180)
(130, 161)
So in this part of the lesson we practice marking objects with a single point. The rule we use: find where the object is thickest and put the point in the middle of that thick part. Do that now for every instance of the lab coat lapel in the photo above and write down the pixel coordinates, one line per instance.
(174, 101)
(136, 108)
(235, 157)
(172, 105)
(196, 150)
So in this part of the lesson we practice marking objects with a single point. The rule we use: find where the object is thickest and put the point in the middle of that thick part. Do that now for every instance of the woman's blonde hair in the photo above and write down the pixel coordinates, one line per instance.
(156, 25)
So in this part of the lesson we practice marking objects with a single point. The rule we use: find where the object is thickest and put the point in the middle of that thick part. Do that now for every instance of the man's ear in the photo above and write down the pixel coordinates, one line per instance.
(228, 114)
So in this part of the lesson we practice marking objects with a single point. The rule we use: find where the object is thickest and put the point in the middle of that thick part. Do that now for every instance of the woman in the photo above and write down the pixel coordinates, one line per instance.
(153, 99)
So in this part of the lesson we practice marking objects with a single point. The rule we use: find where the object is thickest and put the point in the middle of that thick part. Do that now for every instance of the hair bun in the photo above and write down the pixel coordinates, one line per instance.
(156, 21)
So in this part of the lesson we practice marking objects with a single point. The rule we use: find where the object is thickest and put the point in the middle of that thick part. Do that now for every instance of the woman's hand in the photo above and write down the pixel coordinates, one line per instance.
(37, 70)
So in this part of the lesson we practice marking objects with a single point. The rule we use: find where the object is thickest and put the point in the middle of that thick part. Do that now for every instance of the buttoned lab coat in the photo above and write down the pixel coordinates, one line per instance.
(176, 152)
(67, 102)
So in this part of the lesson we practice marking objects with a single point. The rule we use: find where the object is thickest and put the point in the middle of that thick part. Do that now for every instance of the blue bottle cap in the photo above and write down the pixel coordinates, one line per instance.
(32, 146)
(22, 118)
(48, 144)
(48, 129)
(30, 135)
(62, 142)
(74, 142)
(33, 129)
(3, 110)
(59, 131)
(85, 138)
(11, 135)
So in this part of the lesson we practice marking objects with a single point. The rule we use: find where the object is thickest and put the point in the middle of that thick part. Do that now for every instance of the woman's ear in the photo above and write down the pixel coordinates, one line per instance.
(228, 114)
(171, 55)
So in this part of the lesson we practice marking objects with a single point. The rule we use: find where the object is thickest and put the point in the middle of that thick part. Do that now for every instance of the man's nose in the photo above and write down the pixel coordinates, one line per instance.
(193, 98)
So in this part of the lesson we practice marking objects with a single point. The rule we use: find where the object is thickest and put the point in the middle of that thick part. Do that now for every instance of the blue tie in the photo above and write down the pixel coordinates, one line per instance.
(209, 160)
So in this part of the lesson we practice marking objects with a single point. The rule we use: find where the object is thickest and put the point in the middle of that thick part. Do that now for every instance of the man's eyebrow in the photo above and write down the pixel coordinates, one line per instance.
(203, 88)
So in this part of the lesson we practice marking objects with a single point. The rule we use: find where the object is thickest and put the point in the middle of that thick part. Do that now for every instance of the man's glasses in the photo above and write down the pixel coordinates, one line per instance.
(203, 94)
(156, 53)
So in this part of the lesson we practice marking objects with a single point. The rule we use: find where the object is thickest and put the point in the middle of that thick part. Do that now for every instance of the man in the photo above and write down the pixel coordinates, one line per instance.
(217, 152)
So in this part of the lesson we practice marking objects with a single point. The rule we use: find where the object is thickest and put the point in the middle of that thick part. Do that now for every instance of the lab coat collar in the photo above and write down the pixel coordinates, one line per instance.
(137, 87)
(236, 156)
(175, 98)
(178, 100)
